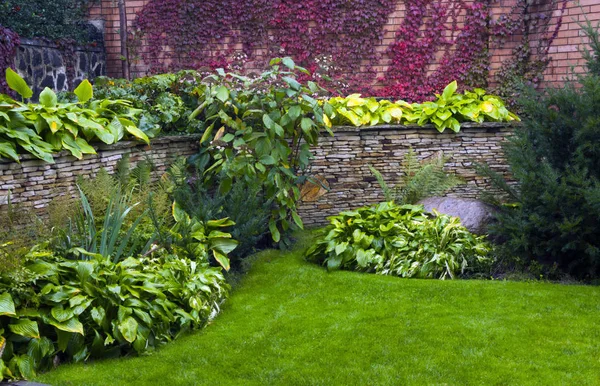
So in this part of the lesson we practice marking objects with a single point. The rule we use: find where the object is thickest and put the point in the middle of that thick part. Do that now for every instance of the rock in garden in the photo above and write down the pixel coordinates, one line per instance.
(474, 215)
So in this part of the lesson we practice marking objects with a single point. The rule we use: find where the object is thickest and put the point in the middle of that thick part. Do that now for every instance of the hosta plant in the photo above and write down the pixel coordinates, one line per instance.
(400, 240)
(448, 110)
(51, 126)
(75, 310)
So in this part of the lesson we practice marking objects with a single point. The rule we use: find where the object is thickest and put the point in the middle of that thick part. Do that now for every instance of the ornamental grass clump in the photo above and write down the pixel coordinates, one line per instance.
(400, 240)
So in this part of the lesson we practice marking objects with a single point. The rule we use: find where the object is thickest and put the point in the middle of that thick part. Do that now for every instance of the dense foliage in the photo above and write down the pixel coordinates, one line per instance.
(51, 19)
(555, 159)
(260, 130)
(436, 42)
(165, 100)
(51, 126)
(79, 309)
(448, 110)
(114, 276)
(400, 240)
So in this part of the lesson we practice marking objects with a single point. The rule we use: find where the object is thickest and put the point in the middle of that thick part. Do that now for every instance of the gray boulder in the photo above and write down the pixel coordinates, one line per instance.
(474, 214)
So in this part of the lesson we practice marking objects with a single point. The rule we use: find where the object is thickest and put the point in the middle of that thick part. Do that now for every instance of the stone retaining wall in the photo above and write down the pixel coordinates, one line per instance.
(34, 183)
(343, 161)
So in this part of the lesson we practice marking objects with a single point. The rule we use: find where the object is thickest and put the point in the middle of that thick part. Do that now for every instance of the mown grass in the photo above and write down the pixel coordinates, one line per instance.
(293, 323)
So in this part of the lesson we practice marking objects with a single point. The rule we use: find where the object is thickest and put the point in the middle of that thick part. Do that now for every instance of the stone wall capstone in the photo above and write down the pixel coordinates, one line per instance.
(342, 160)
(44, 64)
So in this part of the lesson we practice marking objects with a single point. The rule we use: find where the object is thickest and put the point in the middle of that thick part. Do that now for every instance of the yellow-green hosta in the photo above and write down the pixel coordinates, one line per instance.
(448, 110)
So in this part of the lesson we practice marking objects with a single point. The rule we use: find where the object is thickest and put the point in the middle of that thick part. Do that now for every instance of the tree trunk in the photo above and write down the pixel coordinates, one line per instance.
(123, 36)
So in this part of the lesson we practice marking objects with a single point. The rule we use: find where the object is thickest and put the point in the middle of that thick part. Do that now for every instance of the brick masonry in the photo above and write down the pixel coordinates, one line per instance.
(565, 52)
(342, 160)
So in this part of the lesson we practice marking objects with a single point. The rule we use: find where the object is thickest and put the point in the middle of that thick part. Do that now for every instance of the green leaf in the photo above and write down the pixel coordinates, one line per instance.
(25, 327)
(207, 132)
(224, 245)
(17, 84)
(84, 91)
(8, 150)
(293, 83)
(272, 125)
(222, 94)
(71, 325)
(341, 248)
(449, 90)
(128, 328)
(306, 124)
(178, 213)
(274, 231)
(267, 160)
(221, 259)
(60, 314)
(294, 112)
(48, 98)
(7, 306)
(288, 62)
(139, 134)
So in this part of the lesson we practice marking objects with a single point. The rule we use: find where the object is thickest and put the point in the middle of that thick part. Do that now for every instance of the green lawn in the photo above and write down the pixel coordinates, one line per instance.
(292, 323)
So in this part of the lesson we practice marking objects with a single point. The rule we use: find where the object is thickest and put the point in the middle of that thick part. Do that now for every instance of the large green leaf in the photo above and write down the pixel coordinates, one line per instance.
(7, 306)
(61, 314)
(221, 259)
(128, 328)
(223, 245)
(18, 84)
(84, 91)
(8, 150)
(71, 325)
(25, 327)
(48, 98)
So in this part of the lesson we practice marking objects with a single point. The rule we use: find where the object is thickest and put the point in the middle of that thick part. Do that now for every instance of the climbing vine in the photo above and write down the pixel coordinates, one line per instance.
(438, 41)
(534, 22)
(9, 41)
(342, 35)
(430, 27)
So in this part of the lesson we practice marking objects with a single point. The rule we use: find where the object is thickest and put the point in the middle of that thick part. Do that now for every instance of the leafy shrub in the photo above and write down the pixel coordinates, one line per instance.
(167, 100)
(52, 19)
(264, 129)
(244, 204)
(419, 179)
(93, 309)
(50, 126)
(405, 241)
(555, 159)
(447, 111)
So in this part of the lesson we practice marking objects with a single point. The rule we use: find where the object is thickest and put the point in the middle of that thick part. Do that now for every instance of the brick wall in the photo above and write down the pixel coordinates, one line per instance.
(565, 51)
(342, 160)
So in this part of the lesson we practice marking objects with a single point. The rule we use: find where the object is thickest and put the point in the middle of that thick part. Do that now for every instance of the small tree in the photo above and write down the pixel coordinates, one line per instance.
(555, 157)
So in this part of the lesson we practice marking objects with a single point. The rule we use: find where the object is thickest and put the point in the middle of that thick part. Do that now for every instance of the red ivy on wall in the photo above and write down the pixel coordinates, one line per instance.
(437, 42)
(429, 28)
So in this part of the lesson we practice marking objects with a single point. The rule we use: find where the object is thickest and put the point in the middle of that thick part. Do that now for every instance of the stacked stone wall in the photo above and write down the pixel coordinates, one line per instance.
(34, 183)
(342, 160)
